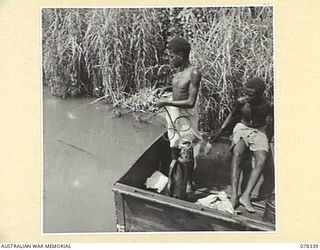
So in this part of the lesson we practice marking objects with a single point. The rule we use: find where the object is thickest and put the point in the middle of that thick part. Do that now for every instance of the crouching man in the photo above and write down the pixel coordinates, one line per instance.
(252, 109)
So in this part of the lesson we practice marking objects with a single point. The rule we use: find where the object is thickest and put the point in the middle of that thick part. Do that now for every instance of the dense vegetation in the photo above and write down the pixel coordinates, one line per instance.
(120, 54)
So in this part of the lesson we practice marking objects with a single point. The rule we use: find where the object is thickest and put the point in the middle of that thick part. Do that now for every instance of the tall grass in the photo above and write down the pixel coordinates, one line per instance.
(121, 53)
(115, 51)
(230, 45)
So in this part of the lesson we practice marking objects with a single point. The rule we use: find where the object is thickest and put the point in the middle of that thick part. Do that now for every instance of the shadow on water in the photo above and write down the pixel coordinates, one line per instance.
(85, 150)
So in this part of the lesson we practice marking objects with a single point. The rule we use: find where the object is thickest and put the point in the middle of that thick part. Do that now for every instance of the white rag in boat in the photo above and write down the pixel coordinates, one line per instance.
(218, 201)
(157, 181)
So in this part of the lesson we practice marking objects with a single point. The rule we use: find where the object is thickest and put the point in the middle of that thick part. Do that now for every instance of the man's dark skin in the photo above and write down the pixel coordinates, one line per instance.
(185, 87)
(185, 83)
(253, 110)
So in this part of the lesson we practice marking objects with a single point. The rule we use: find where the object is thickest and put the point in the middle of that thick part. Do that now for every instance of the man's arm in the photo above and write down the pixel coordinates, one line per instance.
(270, 122)
(271, 111)
(230, 118)
(192, 96)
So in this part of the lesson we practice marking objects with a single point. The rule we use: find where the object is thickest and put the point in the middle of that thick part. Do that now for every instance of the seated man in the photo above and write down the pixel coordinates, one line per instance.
(253, 110)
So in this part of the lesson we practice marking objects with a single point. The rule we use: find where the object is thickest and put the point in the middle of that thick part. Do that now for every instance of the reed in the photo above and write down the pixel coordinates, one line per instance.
(103, 51)
(229, 45)
(121, 53)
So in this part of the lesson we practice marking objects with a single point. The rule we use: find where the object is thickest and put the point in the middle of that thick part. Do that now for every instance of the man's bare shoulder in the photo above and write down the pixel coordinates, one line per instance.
(195, 76)
(268, 101)
(195, 72)
(270, 105)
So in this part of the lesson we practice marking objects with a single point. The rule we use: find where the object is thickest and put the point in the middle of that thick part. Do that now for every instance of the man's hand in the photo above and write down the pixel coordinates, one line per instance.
(159, 91)
(214, 136)
(161, 104)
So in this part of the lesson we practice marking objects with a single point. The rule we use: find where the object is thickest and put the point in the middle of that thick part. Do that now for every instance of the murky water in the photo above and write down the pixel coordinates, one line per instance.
(86, 151)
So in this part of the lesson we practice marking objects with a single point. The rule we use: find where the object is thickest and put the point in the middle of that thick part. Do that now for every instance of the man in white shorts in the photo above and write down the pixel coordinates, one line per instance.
(253, 110)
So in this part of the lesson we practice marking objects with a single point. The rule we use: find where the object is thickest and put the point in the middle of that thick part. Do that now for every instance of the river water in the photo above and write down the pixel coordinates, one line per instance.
(85, 151)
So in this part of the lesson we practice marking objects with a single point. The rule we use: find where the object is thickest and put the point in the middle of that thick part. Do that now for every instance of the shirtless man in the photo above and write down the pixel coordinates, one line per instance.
(185, 87)
(253, 110)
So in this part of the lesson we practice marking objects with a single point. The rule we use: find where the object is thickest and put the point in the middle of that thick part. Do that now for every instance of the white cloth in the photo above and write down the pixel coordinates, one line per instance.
(219, 201)
(157, 181)
(192, 134)
(254, 138)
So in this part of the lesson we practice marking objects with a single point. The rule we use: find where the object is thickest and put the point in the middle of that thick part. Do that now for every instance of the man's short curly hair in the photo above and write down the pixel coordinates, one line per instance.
(179, 44)
(256, 83)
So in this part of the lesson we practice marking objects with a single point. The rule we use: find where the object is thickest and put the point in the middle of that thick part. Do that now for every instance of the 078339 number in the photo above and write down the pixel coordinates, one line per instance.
(308, 245)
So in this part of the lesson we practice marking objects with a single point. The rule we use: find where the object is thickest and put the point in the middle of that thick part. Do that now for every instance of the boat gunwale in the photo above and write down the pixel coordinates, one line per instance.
(192, 207)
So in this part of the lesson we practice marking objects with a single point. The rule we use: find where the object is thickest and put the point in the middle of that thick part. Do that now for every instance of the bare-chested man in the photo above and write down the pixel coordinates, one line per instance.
(253, 110)
(185, 87)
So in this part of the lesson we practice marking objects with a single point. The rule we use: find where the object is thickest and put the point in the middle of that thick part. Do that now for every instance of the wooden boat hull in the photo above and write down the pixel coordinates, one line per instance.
(142, 210)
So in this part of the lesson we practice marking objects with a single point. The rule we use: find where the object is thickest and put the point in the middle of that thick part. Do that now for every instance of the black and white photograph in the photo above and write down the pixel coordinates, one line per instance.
(158, 119)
